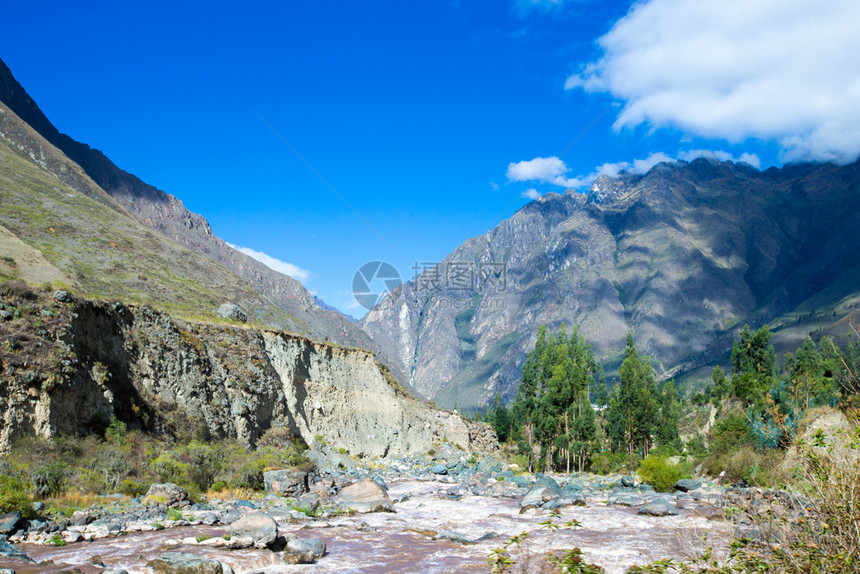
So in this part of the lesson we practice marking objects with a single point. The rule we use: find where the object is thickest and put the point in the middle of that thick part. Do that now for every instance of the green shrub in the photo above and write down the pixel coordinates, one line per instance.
(174, 514)
(56, 540)
(13, 497)
(133, 488)
(49, 479)
(661, 473)
(611, 462)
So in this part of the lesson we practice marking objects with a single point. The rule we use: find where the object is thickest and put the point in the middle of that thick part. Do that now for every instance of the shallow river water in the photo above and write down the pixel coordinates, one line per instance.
(614, 537)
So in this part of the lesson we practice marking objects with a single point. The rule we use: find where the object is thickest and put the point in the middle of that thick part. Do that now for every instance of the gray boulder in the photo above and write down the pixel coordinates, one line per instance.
(292, 483)
(11, 551)
(439, 469)
(301, 545)
(232, 312)
(259, 527)
(365, 496)
(569, 499)
(544, 490)
(626, 499)
(166, 493)
(628, 481)
(688, 484)
(9, 522)
(184, 563)
(453, 537)
(62, 296)
(659, 507)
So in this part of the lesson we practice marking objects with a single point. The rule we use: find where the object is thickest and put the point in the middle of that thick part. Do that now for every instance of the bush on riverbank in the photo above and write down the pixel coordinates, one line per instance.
(661, 473)
(128, 462)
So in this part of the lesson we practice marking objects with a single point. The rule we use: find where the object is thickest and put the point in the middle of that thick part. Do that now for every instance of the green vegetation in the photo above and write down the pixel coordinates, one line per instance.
(107, 254)
(660, 473)
(564, 418)
(555, 425)
(129, 463)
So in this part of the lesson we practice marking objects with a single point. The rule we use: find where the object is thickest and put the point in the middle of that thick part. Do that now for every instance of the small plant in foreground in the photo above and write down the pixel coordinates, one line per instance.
(515, 555)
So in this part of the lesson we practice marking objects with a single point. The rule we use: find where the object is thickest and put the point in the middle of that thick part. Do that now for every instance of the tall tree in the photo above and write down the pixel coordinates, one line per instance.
(753, 365)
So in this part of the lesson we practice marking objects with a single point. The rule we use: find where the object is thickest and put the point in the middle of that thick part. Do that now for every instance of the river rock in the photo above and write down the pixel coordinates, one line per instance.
(626, 499)
(439, 469)
(11, 551)
(453, 537)
(544, 490)
(170, 493)
(569, 499)
(300, 545)
(184, 563)
(659, 507)
(81, 518)
(688, 484)
(9, 522)
(365, 496)
(260, 527)
(286, 482)
(628, 481)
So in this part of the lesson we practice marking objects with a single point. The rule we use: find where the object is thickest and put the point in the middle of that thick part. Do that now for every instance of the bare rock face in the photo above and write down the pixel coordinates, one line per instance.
(230, 381)
(681, 257)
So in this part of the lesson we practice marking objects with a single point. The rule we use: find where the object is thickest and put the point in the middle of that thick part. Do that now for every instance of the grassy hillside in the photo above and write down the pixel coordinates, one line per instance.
(100, 250)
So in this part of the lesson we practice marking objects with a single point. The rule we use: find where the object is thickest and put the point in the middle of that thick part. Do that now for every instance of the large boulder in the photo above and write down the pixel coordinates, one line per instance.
(301, 545)
(544, 489)
(166, 493)
(9, 522)
(291, 483)
(688, 484)
(261, 528)
(626, 499)
(186, 563)
(365, 496)
(232, 312)
(659, 507)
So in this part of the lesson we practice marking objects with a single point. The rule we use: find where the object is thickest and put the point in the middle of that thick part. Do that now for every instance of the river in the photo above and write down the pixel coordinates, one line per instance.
(614, 537)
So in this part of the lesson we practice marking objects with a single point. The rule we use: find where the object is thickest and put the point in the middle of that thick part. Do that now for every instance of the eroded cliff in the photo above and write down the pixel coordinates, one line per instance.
(69, 365)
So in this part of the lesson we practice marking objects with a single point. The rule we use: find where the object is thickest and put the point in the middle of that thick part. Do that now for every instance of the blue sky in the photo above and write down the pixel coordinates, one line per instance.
(419, 125)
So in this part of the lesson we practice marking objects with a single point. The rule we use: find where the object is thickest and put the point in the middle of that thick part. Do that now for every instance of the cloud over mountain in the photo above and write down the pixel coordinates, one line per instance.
(284, 267)
(778, 70)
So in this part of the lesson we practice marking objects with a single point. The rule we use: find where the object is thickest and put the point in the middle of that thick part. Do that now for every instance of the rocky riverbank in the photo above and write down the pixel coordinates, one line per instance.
(433, 514)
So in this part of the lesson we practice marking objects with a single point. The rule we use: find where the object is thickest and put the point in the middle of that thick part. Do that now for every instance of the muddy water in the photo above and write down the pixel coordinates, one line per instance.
(612, 536)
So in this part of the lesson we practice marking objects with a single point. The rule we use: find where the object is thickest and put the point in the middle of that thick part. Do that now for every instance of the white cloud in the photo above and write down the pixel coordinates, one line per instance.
(719, 155)
(531, 170)
(538, 169)
(553, 170)
(293, 271)
(780, 70)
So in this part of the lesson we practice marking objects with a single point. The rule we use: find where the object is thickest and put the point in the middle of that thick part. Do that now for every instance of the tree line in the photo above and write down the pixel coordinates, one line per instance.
(563, 413)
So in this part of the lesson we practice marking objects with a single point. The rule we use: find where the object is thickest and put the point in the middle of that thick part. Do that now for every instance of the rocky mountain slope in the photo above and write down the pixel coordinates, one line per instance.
(67, 365)
(167, 215)
(682, 256)
(56, 224)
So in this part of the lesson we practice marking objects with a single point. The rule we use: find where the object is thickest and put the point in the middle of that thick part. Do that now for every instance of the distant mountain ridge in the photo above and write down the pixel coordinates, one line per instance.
(681, 256)
(166, 214)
